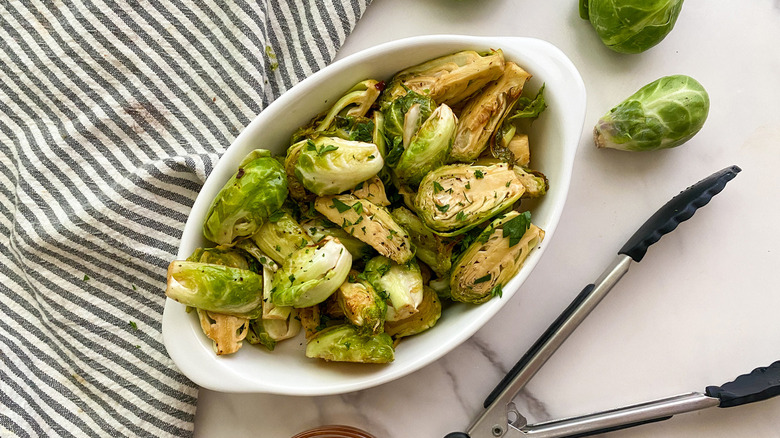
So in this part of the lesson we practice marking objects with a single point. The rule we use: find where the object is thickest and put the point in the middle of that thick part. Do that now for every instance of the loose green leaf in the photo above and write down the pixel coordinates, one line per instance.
(526, 108)
(437, 187)
(497, 291)
(358, 207)
(483, 279)
(327, 148)
(133, 325)
(443, 208)
(478, 174)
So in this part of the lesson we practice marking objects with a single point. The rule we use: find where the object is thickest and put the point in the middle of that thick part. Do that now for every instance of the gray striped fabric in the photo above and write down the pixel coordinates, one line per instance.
(112, 114)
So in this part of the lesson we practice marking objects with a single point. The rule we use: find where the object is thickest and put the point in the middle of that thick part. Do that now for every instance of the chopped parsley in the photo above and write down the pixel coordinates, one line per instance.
(516, 227)
(276, 216)
(478, 174)
(497, 291)
(437, 187)
(133, 325)
(468, 185)
(443, 208)
(86, 277)
(461, 216)
(327, 148)
(340, 206)
(358, 207)
(483, 279)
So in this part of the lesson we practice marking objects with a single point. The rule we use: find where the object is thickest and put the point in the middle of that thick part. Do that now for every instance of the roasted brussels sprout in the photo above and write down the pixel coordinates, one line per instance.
(220, 255)
(226, 331)
(216, 288)
(428, 313)
(345, 343)
(331, 165)
(311, 274)
(429, 148)
(257, 189)
(361, 304)
(434, 250)
(494, 258)
(297, 191)
(663, 114)
(353, 105)
(319, 228)
(448, 79)
(483, 114)
(280, 237)
(631, 26)
(401, 284)
(535, 182)
(368, 222)
(402, 119)
(455, 198)
(373, 189)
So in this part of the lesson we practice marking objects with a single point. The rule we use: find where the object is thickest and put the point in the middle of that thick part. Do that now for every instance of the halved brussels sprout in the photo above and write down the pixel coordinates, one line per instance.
(428, 312)
(663, 114)
(220, 255)
(319, 228)
(494, 258)
(535, 182)
(256, 334)
(351, 128)
(345, 343)
(441, 286)
(429, 148)
(631, 26)
(482, 115)
(448, 79)
(402, 119)
(434, 250)
(257, 189)
(368, 222)
(226, 331)
(373, 189)
(331, 165)
(361, 304)
(297, 191)
(402, 284)
(355, 103)
(216, 288)
(281, 236)
(311, 274)
(455, 198)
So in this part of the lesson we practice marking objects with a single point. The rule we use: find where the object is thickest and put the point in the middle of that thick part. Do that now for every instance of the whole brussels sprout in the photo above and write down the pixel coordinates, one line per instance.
(631, 26)
(311, 274)
(402, 119)
(331, 165)
(494, 258)
(257, 189)
(663, 114)
(216, 288)
(429, 148)
(448, 79)
(455, 198)
(345, 343)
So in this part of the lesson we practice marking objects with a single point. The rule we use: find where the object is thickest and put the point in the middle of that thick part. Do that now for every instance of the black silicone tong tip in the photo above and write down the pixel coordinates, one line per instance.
(677, 210)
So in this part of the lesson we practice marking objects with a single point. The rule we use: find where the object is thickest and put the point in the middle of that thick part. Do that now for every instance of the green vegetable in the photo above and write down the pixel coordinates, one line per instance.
(484, 114)
(331, 165)
(494, 258)
(345, 343)
(477, 191)
(280, 239)
(319, 228)
(631, 26)
(448, 79)
(429, 148)
(361, 304)
(373, 225)
(401, 284)
(663, 114)
(428, 313)
(434, 250)
(216, 288)
(257, 189)
(311, 274)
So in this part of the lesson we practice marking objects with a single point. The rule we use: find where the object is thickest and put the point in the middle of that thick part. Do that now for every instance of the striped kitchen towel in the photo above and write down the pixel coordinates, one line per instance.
(112, 114)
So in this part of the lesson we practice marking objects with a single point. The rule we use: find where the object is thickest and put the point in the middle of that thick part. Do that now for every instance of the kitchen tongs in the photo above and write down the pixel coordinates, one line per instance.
(501, 418)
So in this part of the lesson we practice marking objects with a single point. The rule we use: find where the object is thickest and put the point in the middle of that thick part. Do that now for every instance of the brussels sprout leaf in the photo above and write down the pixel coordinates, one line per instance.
(516, 227)
(526, 108)
(276, 216)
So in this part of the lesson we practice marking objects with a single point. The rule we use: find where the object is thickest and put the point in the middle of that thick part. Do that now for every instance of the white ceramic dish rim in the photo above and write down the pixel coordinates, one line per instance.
(191, 351)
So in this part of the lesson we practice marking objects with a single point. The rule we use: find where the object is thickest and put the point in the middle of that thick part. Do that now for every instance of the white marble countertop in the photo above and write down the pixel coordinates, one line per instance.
(701, 308)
